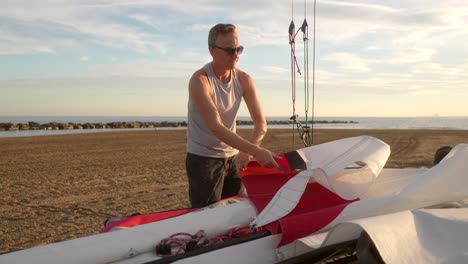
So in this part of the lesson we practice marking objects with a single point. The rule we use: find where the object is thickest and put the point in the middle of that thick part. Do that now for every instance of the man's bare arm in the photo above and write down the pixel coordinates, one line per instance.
(200, 92)
(254, 107)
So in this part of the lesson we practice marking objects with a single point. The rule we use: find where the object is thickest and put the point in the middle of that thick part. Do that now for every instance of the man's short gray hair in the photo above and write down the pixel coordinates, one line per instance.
(219, 29)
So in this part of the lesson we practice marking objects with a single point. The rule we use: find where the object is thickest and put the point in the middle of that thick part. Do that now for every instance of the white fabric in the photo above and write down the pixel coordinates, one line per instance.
(326, 164)
(445, 182)
(397, 190)
(389, 182)
(284, 201)
(420, 236)
(125, 243)
(301, 246)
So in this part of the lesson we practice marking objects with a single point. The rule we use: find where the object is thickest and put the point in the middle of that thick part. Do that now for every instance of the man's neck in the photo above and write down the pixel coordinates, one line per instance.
(223, 74)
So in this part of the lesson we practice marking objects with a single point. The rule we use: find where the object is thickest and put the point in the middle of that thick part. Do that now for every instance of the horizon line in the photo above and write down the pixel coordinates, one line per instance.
(240, 116)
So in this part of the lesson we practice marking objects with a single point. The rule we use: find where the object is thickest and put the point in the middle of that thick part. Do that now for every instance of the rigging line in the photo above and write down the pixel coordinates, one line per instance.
(303, 130)
(293, 64)
(294, 67)
(305, 33)
(292, 10)
(313, 78)
(305, 9)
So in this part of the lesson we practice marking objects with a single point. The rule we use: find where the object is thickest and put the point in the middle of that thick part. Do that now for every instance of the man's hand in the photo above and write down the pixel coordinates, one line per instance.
(266, 158)
(242, 160)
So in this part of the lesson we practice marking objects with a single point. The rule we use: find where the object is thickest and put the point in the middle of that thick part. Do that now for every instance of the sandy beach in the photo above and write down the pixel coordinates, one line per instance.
(56, 188)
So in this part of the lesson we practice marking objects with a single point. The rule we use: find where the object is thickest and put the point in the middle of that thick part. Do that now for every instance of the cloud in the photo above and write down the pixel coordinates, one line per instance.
(436, 69)
(106, 22)
(147, 68)
(15, 45)
(38, 36)
(82, 22)
(348, 62)
(275, 69)
(411, 55)
(95, 96)
(400, 48)
(410, 34)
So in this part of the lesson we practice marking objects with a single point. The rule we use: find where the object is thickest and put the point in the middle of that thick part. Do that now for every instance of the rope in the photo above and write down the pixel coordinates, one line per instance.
(294, 65)
(305, 38)
(306, 132)
(313, 78)
(179, 243)
(293, 71)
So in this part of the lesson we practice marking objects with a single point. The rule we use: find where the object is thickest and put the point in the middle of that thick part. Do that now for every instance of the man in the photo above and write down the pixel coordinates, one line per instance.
(215, 93)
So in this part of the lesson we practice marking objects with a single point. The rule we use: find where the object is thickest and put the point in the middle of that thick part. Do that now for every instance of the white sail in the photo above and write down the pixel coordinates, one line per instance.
(326, 163)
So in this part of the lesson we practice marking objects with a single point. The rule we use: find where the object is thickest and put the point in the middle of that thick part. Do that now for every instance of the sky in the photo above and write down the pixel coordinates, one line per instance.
(373, 58)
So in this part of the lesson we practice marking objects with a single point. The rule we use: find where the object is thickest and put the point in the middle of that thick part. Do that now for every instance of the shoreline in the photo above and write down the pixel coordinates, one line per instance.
(55, 132)
(342, 122)
(31, 125)
(62, 187)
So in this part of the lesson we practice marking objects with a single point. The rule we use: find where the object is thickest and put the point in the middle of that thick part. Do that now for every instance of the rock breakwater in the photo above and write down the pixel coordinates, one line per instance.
(31, 125)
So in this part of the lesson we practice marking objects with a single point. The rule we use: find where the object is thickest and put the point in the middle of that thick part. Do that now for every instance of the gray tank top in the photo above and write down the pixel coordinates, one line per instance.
(227, 97)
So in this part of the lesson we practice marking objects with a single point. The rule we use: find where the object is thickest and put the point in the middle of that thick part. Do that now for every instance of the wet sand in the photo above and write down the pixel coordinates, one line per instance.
(56, 188)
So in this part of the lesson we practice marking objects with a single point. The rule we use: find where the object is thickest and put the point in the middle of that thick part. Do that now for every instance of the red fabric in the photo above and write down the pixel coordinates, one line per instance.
(317, 207)
(145, 219)
(254, 168)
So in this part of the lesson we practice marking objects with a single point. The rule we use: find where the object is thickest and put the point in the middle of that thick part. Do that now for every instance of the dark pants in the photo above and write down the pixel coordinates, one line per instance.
(212, 179)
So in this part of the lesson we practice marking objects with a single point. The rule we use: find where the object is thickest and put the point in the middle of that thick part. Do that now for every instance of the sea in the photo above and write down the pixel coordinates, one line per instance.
(343, 122)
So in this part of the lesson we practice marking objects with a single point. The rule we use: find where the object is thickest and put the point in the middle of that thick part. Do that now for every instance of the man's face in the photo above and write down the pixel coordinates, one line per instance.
(223, 53)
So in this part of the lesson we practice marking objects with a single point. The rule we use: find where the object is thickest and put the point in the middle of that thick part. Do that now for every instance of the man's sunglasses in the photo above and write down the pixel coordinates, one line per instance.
(231, 51)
